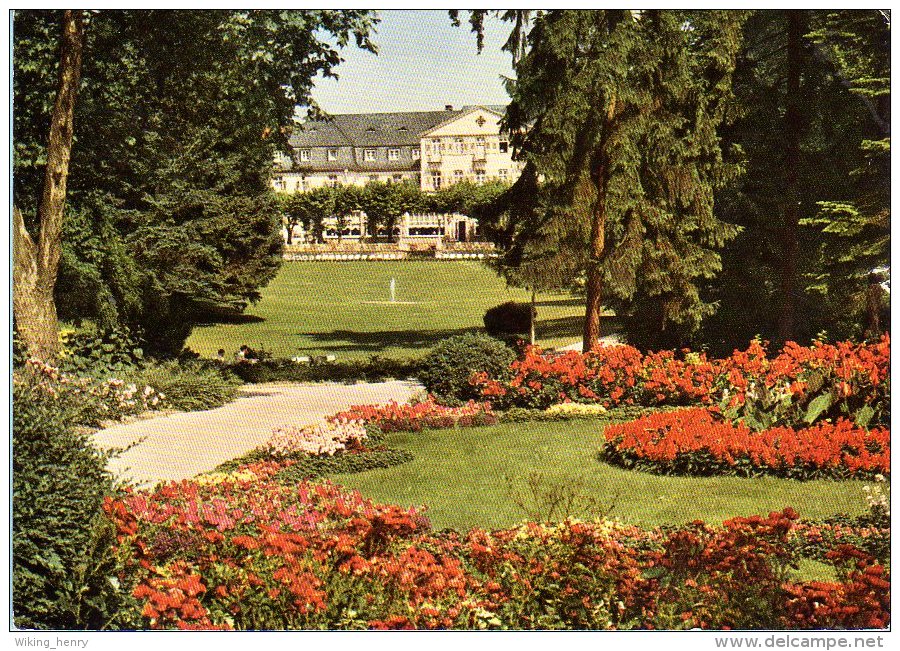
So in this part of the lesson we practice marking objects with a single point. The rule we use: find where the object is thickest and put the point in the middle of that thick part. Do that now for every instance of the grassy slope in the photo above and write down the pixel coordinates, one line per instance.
(318, 307)
(459, 475)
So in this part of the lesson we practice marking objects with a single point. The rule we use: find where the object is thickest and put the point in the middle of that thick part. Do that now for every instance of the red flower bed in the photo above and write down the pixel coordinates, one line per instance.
(394, 417)
(253, 554)
(697, 441)
(854, 375)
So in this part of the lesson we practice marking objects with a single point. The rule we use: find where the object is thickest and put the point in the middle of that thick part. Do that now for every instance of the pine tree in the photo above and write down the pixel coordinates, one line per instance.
(615, 114)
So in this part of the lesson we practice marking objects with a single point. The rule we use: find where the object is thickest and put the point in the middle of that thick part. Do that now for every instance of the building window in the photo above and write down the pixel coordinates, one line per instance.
(480, 176)
(416, 154)
(502, 174)
(279, 183)
(436, 145)
(397, 178)
(436, 180)
(304, 155)
(332, 154)
(373, 178)
(393, 154)
(457, 176)
(333, 180)
(369, 155)
(504, 146)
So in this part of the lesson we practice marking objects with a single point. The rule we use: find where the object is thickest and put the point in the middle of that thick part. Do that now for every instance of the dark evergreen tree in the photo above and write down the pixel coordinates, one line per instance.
(616, 115)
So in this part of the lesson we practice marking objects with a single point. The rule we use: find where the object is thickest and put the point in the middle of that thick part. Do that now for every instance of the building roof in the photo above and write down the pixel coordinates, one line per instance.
(376, 129)
(368, 129)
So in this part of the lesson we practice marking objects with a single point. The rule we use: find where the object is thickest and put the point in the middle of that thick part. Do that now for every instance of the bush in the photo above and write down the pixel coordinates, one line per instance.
(62, 545)
(188, 386)
(88, 353)
(447, 368)
(374, 369)
(508, 318)
(343, 463)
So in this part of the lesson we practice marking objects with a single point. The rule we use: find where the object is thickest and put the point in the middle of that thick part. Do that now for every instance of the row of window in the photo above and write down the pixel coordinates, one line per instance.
(280, 183)
(369, 155)
(480, 176)
(462, 145)
(437, 145)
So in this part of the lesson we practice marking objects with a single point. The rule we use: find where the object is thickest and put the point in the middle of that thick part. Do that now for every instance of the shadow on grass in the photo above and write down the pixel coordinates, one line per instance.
(573, 326)
(561, 302)
(379, 341)
(215, 316)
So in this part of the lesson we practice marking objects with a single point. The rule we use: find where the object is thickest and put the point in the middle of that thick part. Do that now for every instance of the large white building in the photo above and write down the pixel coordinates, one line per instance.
(432, 148)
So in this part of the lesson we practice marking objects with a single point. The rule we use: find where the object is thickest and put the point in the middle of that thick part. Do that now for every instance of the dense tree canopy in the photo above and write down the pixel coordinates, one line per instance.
(179, 116)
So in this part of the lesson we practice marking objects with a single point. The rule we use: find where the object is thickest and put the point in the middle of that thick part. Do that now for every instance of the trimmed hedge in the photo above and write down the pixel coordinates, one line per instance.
(508, 318)
(352, 462)
(374, 369)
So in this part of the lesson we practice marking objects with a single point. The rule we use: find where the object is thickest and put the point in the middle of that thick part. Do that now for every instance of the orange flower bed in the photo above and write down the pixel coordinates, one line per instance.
(697, 441)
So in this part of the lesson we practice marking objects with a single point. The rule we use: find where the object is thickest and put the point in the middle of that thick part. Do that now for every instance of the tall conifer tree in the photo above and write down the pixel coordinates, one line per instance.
(615, 114)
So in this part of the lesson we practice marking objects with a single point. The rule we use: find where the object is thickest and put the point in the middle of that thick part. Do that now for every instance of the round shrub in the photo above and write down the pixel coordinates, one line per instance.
(508, 318)
(446, 370)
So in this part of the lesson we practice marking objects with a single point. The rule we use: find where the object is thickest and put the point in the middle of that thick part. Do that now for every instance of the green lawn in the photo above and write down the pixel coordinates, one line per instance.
(343, 308)
(460, 475)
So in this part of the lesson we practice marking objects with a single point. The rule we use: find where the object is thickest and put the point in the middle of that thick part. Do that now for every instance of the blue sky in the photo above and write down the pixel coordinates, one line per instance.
(424, 62)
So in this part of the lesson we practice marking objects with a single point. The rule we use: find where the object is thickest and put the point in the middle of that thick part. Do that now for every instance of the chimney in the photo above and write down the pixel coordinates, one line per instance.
(448, 107)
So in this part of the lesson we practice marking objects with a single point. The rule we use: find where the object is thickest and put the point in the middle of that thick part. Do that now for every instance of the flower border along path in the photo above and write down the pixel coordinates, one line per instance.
(181, 445)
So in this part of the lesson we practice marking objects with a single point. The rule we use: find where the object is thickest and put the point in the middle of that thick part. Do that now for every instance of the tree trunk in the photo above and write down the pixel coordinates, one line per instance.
(594, 281)
(533, 315)
(793, 127)
(35, 264)
(873, 308)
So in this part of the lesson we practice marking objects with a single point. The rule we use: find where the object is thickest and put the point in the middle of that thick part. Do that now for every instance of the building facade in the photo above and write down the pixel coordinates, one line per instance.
(433, 149)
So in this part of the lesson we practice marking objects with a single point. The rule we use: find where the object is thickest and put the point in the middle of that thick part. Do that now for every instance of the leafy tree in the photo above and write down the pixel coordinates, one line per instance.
(181, 113)
(308, 208)
(615, 114)
(347, 199)
(385, 203)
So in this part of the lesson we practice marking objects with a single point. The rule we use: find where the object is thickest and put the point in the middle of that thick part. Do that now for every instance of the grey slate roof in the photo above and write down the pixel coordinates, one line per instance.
(369, 129)
(375, 129)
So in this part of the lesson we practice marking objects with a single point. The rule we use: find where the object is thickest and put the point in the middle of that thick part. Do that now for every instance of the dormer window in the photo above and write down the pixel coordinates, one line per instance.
(416, 154)
(332, 155)
(369, 155)
(393, 154)
(304, 155)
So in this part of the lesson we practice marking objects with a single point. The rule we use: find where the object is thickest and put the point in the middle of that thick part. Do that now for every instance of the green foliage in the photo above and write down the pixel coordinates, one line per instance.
(373, 369)
(62, 546)
(843, 187)
(508, 318)
(188, 386)
(169, 178)
(87, 353)
(346, 462)
(447, 368)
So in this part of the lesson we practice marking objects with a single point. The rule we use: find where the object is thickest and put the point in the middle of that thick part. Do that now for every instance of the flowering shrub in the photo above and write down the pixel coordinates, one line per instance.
(394, 417)
(316, 440)
(696, 441)
(254, 554)
(800, 385)
(574, 409)
(90, 401)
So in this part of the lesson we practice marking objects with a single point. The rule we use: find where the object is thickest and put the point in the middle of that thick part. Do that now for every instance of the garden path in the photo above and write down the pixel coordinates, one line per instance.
(183, 444)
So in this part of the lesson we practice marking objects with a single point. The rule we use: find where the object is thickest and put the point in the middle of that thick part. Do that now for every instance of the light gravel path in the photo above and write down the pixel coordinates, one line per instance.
(183, 444)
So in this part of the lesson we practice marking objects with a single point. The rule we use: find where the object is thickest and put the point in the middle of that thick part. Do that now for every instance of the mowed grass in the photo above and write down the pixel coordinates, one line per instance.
(344, 308)
(461, 476)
